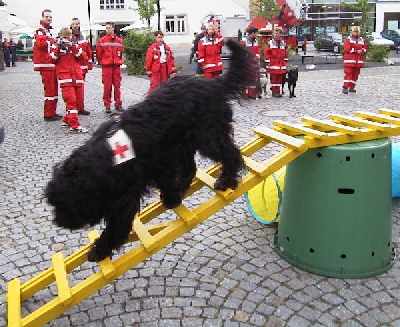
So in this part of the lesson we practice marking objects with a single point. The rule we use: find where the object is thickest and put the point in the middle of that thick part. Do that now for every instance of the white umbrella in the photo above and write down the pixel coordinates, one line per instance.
(134, 26)
(23, 30)
(93, 27)
(9, 22)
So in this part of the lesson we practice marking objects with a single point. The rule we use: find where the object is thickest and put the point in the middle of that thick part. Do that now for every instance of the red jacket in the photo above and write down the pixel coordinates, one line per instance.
(109, 50)
(68, 68)
(353, 52)
(153, 59)
(252, 46)
(276, 57)
(209, 53)
(85, 61)
(41, 49)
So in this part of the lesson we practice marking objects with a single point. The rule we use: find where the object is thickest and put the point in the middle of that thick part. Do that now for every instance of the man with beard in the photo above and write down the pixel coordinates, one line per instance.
(43, 63)
(85, 61)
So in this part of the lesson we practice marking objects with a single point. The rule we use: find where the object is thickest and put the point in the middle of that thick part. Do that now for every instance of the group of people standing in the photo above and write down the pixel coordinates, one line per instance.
(65, 60)
(276, 60)
(10, 52)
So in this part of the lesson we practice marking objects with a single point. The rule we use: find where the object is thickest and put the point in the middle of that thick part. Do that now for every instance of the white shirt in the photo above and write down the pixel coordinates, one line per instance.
(163, 56)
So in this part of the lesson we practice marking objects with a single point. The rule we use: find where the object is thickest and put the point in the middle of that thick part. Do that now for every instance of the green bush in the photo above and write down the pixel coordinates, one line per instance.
(136, 44)
(317, 44)
(378, 53)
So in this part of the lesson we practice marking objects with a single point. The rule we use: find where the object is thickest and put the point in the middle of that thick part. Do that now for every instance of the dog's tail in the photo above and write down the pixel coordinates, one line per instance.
(242, 70)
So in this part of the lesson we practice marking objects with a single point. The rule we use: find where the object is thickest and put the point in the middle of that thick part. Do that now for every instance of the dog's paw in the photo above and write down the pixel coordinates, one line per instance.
(96, 255)
(171, 200)
(224, 184)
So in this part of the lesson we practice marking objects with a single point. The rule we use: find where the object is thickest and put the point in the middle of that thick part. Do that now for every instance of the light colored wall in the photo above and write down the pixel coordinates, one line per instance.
(196, 11)
(381, 8)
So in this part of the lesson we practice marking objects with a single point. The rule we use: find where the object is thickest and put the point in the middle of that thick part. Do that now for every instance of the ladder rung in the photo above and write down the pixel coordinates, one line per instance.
(187, 215)
(64, 291)
(14, 303)
(378, 117)
(330, 125)
(210, 182)
(106, 266)
(205, 178)
(143, 234)
(358, 122)
(281, 138)
(297, 128)
(394, 113)
(253, 165)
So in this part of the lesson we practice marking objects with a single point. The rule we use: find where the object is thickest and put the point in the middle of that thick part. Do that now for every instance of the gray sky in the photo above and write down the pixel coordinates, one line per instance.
(63, 11)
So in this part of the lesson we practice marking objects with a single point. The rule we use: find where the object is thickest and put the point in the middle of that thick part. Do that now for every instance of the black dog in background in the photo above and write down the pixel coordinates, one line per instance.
(185, 115)
(291, 78)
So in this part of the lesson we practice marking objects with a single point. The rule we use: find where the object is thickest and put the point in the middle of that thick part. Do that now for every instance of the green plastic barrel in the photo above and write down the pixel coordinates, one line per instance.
(336, 211)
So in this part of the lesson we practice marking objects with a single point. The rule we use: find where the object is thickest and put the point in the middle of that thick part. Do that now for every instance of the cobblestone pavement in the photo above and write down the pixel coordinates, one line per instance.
(223, 273)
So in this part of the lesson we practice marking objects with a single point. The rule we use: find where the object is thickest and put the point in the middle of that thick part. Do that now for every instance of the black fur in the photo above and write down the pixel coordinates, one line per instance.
(291, 78)
(185, 115)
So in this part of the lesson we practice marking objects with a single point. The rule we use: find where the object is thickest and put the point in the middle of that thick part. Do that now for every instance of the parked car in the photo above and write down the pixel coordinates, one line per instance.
(330, 42)
(377, 39)
(393, 35)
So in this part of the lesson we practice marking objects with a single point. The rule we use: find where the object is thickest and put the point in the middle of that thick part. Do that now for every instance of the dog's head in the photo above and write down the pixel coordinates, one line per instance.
(73, 194)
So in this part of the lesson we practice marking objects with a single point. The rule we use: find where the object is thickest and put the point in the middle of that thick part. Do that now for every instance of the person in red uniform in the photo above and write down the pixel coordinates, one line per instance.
(65, 55)
(42, 63)
(276, 61)
(160, 62)
(85, 61)
(109, 54)
(251, 43)
(354, 50)
(209, 52)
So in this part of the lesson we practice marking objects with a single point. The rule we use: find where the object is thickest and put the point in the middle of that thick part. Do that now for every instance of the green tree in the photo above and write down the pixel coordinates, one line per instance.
(268, 9)
(146, 9)
(362, 6)
(135, 45)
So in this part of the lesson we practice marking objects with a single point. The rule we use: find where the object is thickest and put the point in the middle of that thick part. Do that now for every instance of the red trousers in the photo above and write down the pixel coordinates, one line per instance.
(111, 76)
(50, 86)
(276, 83)
(70, 94)
(80, 100)
(251, 91)
(211, 75)
(157, 78)
(350, 77)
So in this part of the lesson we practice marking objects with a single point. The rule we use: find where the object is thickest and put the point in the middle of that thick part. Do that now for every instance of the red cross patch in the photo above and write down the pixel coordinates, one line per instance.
(121, 147)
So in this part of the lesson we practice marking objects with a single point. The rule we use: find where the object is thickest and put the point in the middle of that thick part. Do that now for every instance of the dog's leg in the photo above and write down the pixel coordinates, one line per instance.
(118, 227)
(225, 151)
(174, 184)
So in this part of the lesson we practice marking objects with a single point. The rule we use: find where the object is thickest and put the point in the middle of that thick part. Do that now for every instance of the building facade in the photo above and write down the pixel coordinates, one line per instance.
(180, 19)
(387, 15)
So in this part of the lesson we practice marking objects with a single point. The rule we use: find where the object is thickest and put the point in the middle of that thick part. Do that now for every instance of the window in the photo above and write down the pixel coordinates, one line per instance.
(112, 4)
(175, 24)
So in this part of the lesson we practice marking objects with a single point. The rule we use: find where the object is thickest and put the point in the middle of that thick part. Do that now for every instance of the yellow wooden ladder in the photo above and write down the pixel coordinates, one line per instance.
(295, 138)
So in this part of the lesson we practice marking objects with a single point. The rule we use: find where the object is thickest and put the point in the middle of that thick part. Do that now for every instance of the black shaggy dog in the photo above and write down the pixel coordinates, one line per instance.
(291, 78)
(185, 115)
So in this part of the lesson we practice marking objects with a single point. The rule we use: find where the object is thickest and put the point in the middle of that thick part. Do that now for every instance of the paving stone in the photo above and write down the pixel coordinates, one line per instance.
(223, 269)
